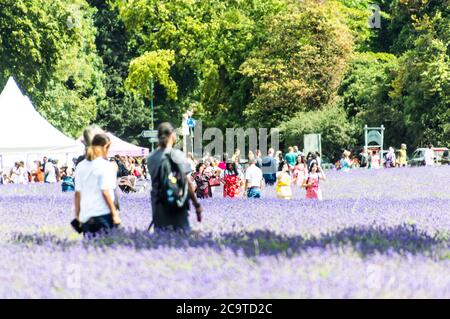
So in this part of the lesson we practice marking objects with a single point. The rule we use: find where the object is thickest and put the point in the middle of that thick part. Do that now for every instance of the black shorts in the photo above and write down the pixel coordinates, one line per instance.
(98, 224)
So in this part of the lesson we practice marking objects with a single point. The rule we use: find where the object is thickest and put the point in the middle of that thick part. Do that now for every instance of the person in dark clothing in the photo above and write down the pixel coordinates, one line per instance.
(164, 217)
(269, 167)
(201, 179)
(122, 170)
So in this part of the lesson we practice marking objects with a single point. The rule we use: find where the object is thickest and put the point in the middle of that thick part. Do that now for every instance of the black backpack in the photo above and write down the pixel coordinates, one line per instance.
(173, 184)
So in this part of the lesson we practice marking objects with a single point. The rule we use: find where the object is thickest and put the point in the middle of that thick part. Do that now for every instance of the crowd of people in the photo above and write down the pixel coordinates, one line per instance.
(178, 180)
(46, 171)
(371, 158)
(247, 177)
(130, 171)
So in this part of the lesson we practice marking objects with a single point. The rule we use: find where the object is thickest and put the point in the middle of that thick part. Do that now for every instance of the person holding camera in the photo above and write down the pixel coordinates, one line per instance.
(312, 182)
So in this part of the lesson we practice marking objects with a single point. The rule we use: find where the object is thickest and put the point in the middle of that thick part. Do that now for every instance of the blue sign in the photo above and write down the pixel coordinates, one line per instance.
(191, 122)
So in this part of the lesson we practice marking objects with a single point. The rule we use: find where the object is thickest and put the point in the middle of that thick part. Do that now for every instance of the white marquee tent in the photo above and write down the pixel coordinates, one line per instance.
(25, 135)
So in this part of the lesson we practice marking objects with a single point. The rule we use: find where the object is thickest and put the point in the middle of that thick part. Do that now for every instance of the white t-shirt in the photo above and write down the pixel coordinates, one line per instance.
(50, 172)
(91, 177)
(429, 157)
(22, 176)
(254, 176)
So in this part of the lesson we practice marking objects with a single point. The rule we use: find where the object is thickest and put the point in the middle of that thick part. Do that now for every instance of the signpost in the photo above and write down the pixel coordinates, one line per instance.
(374, 138)
(312, 143)
(187, 125)
(149, 134)
(152, 135)
(152, 89)
(191, 122)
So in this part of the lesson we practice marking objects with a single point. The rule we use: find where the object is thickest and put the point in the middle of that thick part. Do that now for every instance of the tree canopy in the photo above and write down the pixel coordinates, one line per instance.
(302, 66)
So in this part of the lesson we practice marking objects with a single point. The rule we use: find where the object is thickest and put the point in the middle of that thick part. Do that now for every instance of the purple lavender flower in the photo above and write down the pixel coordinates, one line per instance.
(376, 234)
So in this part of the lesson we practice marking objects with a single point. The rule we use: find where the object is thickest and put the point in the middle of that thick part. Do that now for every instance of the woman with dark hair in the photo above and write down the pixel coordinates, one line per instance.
(300, 170)
(311, 182)
(231, 181)
(95, 207)
(167, 217)
(201, 178)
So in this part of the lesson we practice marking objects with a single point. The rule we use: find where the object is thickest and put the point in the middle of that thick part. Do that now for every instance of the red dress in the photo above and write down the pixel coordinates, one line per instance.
(231, 187)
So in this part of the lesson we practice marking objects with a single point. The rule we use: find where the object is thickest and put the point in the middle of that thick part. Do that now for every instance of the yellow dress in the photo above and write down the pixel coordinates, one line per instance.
(283, 186)
(401, 159)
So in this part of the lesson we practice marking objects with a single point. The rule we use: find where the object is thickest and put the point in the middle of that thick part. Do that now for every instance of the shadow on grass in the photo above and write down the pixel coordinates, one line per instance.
(366, 241)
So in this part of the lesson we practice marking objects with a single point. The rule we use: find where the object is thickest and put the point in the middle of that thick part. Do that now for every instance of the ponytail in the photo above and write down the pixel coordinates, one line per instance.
(92, 152)
(97, 146)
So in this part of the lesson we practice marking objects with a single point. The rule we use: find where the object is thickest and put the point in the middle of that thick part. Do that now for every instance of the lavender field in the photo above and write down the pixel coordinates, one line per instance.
(376, 234)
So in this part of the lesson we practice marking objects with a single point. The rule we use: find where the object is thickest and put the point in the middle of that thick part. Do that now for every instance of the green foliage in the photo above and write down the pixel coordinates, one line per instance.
(33, 38)
(210, 40)
(300, 64)
(331, 121)
(422, 86)
(155, 66)
(365, 94)
(239, 63)
(124, 114)
(409, 94)
(50, 50)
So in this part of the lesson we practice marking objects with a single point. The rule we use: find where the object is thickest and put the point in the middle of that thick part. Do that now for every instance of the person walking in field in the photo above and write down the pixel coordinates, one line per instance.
(269, 167)
(95, 177)
(172, 189)
(312, 182)
(284, 181)
(300, 170)
(364, 155)
(291, 158)
(231, 180)
(253, 180)
(201, 179)
(50, 172)
(296, 151)
(402, 157)
(390, 158)
(375, 160)
(429, 156)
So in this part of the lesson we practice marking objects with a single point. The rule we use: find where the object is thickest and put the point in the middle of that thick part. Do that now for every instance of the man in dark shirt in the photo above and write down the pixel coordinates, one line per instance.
(165, 217)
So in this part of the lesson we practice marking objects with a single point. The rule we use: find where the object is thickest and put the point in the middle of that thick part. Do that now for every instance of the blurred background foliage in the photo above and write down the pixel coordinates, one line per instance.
(303, 66)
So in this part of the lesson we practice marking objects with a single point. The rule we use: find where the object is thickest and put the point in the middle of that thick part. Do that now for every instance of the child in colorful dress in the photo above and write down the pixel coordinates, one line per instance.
(283, 186)
(375, 161)
(312, 182)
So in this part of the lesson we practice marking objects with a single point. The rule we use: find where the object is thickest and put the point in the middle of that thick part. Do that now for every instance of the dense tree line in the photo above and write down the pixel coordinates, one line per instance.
(303, 66)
